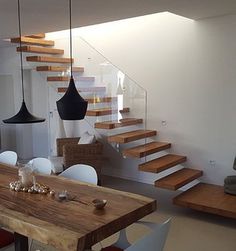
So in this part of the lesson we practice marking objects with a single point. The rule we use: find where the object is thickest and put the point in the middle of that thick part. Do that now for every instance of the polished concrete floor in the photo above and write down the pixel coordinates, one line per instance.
(190, 230)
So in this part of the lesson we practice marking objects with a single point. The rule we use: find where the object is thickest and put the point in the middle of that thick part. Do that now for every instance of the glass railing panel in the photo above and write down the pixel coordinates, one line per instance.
(115, 100)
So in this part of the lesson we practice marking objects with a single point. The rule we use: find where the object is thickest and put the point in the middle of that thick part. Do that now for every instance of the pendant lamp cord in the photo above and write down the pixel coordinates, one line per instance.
(21, 56)
(71, 73)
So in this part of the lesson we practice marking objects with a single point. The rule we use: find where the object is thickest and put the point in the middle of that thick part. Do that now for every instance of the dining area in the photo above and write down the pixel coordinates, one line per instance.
(70, 212)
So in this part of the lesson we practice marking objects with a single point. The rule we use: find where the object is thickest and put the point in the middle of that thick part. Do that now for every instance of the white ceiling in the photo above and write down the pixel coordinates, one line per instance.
(52, 15)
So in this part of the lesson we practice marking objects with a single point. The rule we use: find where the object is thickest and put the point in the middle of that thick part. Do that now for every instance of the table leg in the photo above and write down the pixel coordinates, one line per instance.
(21, 242)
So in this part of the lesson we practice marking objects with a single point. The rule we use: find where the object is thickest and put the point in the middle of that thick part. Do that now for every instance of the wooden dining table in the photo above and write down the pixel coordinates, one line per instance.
(68, 225)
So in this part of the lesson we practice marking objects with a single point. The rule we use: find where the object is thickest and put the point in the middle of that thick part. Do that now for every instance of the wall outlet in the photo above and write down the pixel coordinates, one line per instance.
(212, 163)
(164, 122)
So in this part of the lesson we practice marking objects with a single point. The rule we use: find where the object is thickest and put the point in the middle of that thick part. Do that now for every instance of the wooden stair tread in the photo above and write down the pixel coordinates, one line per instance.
(41, 50)
(116, 124)
(100, 111)
(38, 35)
(95, 100)
(49, 59)
(33, 41)
(162, 163)
(67, 78)
(178, 179)
(146, 149)
(131, 136)
(58, 68)
(84, 89)
(208, 198)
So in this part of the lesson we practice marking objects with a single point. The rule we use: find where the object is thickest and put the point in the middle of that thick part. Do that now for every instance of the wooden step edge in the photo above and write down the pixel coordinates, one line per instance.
(58, 68)
(134, 152)
(150, 165)
(128, 122)
(93, 89)
(117, 124)
(102, 112)
(102, 125)
(38, 35)
(178, 179)
(33, 41)
(49, 59)
(120, 138)
(96, 100)
(66, 78)
(40, 50)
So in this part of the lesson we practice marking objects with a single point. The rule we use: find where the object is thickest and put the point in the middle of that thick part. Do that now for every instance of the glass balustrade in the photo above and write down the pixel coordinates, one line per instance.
(116, 103)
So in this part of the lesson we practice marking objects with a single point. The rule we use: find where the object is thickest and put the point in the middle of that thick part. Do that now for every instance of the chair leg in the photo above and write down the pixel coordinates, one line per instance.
(21, 242)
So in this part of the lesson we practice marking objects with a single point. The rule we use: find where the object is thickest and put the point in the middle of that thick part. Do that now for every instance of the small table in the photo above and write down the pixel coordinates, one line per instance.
(68, 226)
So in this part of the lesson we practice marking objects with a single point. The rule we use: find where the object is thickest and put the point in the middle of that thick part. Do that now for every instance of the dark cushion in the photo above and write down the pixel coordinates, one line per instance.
(111, 248)
(6, 238)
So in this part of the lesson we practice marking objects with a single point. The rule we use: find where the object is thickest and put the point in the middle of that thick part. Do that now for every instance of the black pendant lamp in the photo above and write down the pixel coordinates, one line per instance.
(71, 106)
(23, 116)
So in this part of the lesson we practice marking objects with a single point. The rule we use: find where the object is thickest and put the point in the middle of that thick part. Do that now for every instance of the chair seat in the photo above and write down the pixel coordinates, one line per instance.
(111, 248)
(6, 238)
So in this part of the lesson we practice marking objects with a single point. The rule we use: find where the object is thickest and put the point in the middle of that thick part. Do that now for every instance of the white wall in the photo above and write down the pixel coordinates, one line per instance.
(10, 65)
(188, 70)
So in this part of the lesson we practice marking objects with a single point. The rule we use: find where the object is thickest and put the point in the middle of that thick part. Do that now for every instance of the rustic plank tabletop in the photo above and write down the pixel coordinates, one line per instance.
(68, 225)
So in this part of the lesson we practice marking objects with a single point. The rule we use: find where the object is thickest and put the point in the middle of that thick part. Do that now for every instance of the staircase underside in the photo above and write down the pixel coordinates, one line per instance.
(208, 198)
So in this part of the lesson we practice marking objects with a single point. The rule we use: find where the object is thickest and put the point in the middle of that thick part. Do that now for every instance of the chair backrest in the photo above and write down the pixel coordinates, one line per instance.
(153, 241)
(81, 172)
(41, 165)
(8, 157)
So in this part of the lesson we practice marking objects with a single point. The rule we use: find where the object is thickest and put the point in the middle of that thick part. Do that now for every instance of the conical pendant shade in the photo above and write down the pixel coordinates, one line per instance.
(23, 117)
(72, 106)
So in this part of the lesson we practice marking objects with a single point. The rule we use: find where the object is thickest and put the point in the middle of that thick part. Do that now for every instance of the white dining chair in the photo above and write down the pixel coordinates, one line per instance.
(81, 172)
(8, 157)
(153, 241)
(41, 165)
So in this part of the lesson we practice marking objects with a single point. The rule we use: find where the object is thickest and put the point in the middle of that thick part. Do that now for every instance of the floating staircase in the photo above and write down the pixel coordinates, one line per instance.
(173, 181)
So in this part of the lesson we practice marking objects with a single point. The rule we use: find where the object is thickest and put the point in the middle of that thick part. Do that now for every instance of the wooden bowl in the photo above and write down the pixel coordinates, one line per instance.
(99, 204)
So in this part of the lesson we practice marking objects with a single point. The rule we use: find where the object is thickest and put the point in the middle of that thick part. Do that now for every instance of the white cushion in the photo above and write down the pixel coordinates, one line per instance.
(87, 138)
